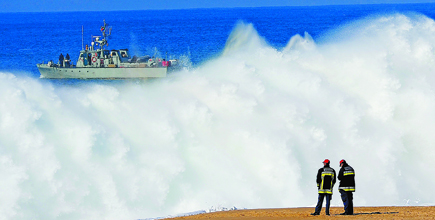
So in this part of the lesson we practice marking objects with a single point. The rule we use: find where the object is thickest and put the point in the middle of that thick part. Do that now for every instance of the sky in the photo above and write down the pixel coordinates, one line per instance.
(116, 5)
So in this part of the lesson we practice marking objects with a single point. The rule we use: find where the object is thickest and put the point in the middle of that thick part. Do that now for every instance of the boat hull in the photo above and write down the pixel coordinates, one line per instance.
(100, 73)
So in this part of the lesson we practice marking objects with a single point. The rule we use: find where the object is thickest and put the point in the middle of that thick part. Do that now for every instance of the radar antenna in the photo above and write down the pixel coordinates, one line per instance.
(106, 31)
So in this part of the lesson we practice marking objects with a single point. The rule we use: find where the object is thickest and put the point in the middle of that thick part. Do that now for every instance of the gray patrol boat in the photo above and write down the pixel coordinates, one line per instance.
(97, 62)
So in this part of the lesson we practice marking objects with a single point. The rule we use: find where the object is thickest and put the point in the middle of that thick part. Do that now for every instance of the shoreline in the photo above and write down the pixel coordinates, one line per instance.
(378, 212)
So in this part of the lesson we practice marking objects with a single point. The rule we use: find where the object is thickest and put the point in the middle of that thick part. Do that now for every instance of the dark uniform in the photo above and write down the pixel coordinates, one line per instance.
(68, 61)
(325, 182)
(61, 60)
(346, 175)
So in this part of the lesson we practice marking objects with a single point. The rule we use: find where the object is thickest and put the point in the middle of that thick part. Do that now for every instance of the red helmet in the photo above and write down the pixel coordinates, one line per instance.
(342, 161)
(326, 161)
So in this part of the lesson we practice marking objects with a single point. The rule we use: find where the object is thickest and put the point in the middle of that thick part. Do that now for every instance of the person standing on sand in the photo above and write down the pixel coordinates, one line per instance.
(346, 175)
(325, 182)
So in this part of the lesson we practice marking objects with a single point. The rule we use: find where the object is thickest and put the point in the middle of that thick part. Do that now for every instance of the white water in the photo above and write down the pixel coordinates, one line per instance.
(248, 129)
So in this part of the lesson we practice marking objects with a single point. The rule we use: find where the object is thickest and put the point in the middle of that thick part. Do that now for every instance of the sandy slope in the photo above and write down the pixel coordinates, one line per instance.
(395, 212)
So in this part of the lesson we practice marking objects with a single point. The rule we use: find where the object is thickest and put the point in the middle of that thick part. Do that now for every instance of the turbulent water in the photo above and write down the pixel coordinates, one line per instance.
(248, 128)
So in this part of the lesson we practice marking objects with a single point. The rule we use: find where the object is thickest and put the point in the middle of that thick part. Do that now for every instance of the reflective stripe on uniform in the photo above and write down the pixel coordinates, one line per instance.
(345, 173)
(321, 189)
(349, 188)
(327, 191)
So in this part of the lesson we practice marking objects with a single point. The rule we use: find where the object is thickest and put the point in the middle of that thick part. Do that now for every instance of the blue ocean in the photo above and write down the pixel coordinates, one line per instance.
(264, 95)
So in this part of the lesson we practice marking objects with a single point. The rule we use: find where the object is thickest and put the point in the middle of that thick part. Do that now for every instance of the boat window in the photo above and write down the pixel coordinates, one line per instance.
(113, 53)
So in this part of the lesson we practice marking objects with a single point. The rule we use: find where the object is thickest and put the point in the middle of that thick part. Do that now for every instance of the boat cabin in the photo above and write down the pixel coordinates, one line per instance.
(102, 58)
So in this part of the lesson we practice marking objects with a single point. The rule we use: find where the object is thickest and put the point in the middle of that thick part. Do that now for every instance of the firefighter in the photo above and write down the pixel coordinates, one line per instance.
(346, 175)
(325, 182)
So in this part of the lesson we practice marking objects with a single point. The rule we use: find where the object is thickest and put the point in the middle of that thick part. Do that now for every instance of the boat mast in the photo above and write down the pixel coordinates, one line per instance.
(105, 28)
(82, 39)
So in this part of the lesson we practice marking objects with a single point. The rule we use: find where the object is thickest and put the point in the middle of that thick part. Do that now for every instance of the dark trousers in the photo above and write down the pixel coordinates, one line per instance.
(347, 198)
(320, 202)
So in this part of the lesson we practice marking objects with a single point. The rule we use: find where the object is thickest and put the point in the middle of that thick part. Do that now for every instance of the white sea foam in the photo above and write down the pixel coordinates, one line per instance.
(248, 129)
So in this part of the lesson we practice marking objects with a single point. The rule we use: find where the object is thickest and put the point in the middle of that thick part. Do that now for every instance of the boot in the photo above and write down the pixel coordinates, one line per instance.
(344, 213)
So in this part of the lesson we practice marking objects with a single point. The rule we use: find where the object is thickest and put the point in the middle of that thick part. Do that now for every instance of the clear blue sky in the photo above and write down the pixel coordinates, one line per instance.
(115, 5)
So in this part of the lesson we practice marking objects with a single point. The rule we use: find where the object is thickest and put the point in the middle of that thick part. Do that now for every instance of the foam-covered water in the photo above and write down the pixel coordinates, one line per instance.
(248, 129)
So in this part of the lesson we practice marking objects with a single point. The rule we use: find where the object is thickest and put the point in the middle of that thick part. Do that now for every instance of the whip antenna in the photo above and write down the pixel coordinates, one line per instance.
(82, 38)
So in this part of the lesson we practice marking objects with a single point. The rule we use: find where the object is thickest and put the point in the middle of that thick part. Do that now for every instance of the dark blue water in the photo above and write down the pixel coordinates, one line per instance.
(200, 34)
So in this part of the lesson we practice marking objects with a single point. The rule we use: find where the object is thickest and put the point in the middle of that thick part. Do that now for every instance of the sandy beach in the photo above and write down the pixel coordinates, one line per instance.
(391, 212)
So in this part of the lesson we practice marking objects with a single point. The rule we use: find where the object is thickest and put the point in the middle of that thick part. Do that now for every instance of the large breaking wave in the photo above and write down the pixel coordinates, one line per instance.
(248, 129)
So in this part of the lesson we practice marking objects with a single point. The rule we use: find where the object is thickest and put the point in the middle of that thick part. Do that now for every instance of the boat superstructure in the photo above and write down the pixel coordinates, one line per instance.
(98, 62)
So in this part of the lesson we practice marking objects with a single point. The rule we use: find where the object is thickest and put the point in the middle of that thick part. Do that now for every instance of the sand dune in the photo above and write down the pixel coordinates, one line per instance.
(392, 212)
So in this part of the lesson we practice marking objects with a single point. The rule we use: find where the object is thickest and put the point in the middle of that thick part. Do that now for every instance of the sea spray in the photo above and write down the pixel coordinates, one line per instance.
(248, 129)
